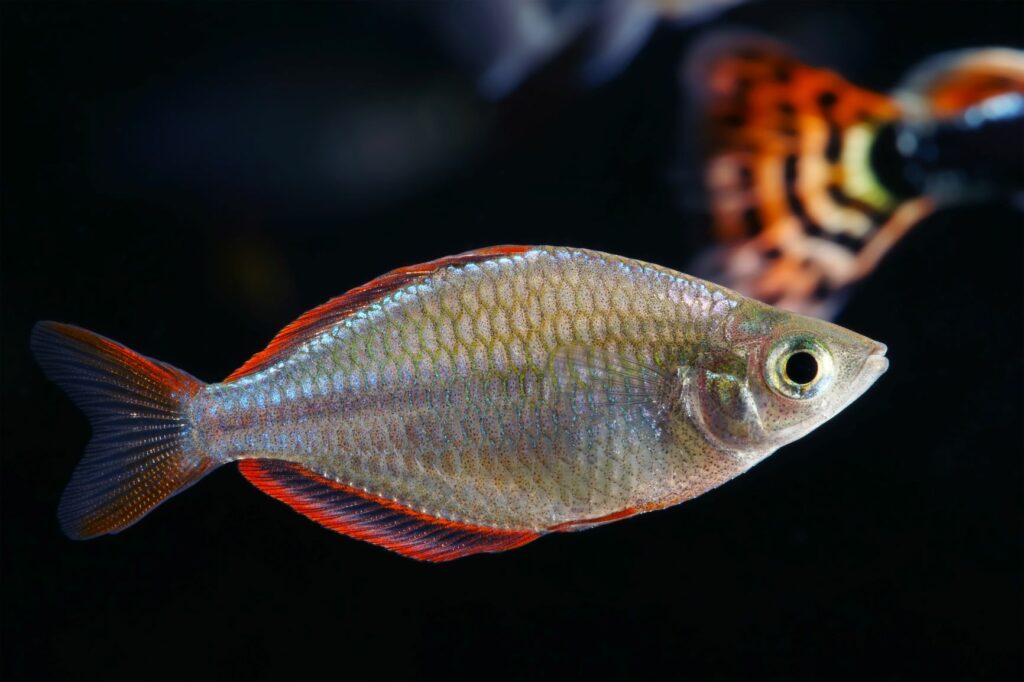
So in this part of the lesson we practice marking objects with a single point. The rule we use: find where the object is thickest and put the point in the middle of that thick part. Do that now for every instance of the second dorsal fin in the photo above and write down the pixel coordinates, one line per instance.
(328, 314)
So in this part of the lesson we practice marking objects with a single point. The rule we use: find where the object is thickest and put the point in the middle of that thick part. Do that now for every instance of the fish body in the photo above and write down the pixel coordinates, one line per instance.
(479, 401)
(812, 179)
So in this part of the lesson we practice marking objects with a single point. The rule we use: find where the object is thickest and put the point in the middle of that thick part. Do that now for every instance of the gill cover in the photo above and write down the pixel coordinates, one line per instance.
(787, 377)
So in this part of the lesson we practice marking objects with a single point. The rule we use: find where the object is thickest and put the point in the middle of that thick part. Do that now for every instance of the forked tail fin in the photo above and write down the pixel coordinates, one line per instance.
(800, 205)
(141, 452)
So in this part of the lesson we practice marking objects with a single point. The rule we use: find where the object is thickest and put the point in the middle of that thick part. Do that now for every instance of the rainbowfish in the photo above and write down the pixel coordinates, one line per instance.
(812, 179)
(469, 404)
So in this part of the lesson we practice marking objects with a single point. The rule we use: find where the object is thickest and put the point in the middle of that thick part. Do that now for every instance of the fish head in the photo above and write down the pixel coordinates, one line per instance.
(782, 376)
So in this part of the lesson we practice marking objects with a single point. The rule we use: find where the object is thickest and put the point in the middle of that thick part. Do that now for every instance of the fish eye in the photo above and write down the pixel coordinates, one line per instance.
(798, 368)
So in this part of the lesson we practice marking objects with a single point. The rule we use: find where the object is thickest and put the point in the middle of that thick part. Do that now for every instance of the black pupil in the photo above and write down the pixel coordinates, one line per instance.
(801, 368)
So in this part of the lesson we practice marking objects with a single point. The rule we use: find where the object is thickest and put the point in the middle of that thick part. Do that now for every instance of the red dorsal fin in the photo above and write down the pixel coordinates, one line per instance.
(367, 517)
(329, 314)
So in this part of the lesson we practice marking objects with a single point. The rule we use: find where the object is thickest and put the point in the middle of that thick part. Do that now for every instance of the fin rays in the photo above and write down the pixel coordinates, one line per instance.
(376, 520)
(137, 457)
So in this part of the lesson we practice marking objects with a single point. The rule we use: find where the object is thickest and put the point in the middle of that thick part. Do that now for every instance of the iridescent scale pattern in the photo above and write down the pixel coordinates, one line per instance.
(452, 396)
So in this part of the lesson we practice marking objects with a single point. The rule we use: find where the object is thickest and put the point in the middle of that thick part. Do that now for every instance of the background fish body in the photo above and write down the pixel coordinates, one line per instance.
(475, 402)
(812, 179)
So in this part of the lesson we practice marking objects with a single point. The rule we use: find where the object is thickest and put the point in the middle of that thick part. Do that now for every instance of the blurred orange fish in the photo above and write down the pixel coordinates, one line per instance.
(813, 179)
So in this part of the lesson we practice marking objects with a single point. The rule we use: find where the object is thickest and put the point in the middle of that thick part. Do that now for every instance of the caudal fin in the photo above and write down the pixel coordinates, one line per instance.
(141, 452)
(799, 201)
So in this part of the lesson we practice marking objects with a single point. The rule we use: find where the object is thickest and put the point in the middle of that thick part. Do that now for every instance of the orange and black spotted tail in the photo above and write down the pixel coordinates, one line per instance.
(793, 193)
(141, 452)
(781, 135)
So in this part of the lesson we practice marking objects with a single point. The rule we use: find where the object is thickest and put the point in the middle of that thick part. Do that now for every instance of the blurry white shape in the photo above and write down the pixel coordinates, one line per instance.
(504, 41)
(623, 27)
(1008, 105)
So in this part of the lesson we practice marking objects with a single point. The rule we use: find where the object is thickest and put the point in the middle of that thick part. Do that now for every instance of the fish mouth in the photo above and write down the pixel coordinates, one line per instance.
(874, 366)
(876, 363)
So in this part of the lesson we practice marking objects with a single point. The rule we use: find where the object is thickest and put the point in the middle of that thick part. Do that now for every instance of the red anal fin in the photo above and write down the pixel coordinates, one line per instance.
(328, 314)
(584, 524)
(367, 517)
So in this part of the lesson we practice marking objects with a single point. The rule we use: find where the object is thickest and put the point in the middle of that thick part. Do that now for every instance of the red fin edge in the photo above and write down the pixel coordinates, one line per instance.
(373, 519)
(314, 321)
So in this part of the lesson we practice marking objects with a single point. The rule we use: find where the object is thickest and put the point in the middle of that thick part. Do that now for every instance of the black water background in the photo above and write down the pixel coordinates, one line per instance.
(157, 187)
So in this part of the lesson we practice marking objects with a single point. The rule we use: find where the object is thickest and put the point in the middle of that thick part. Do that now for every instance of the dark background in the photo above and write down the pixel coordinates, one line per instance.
(188, 178)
